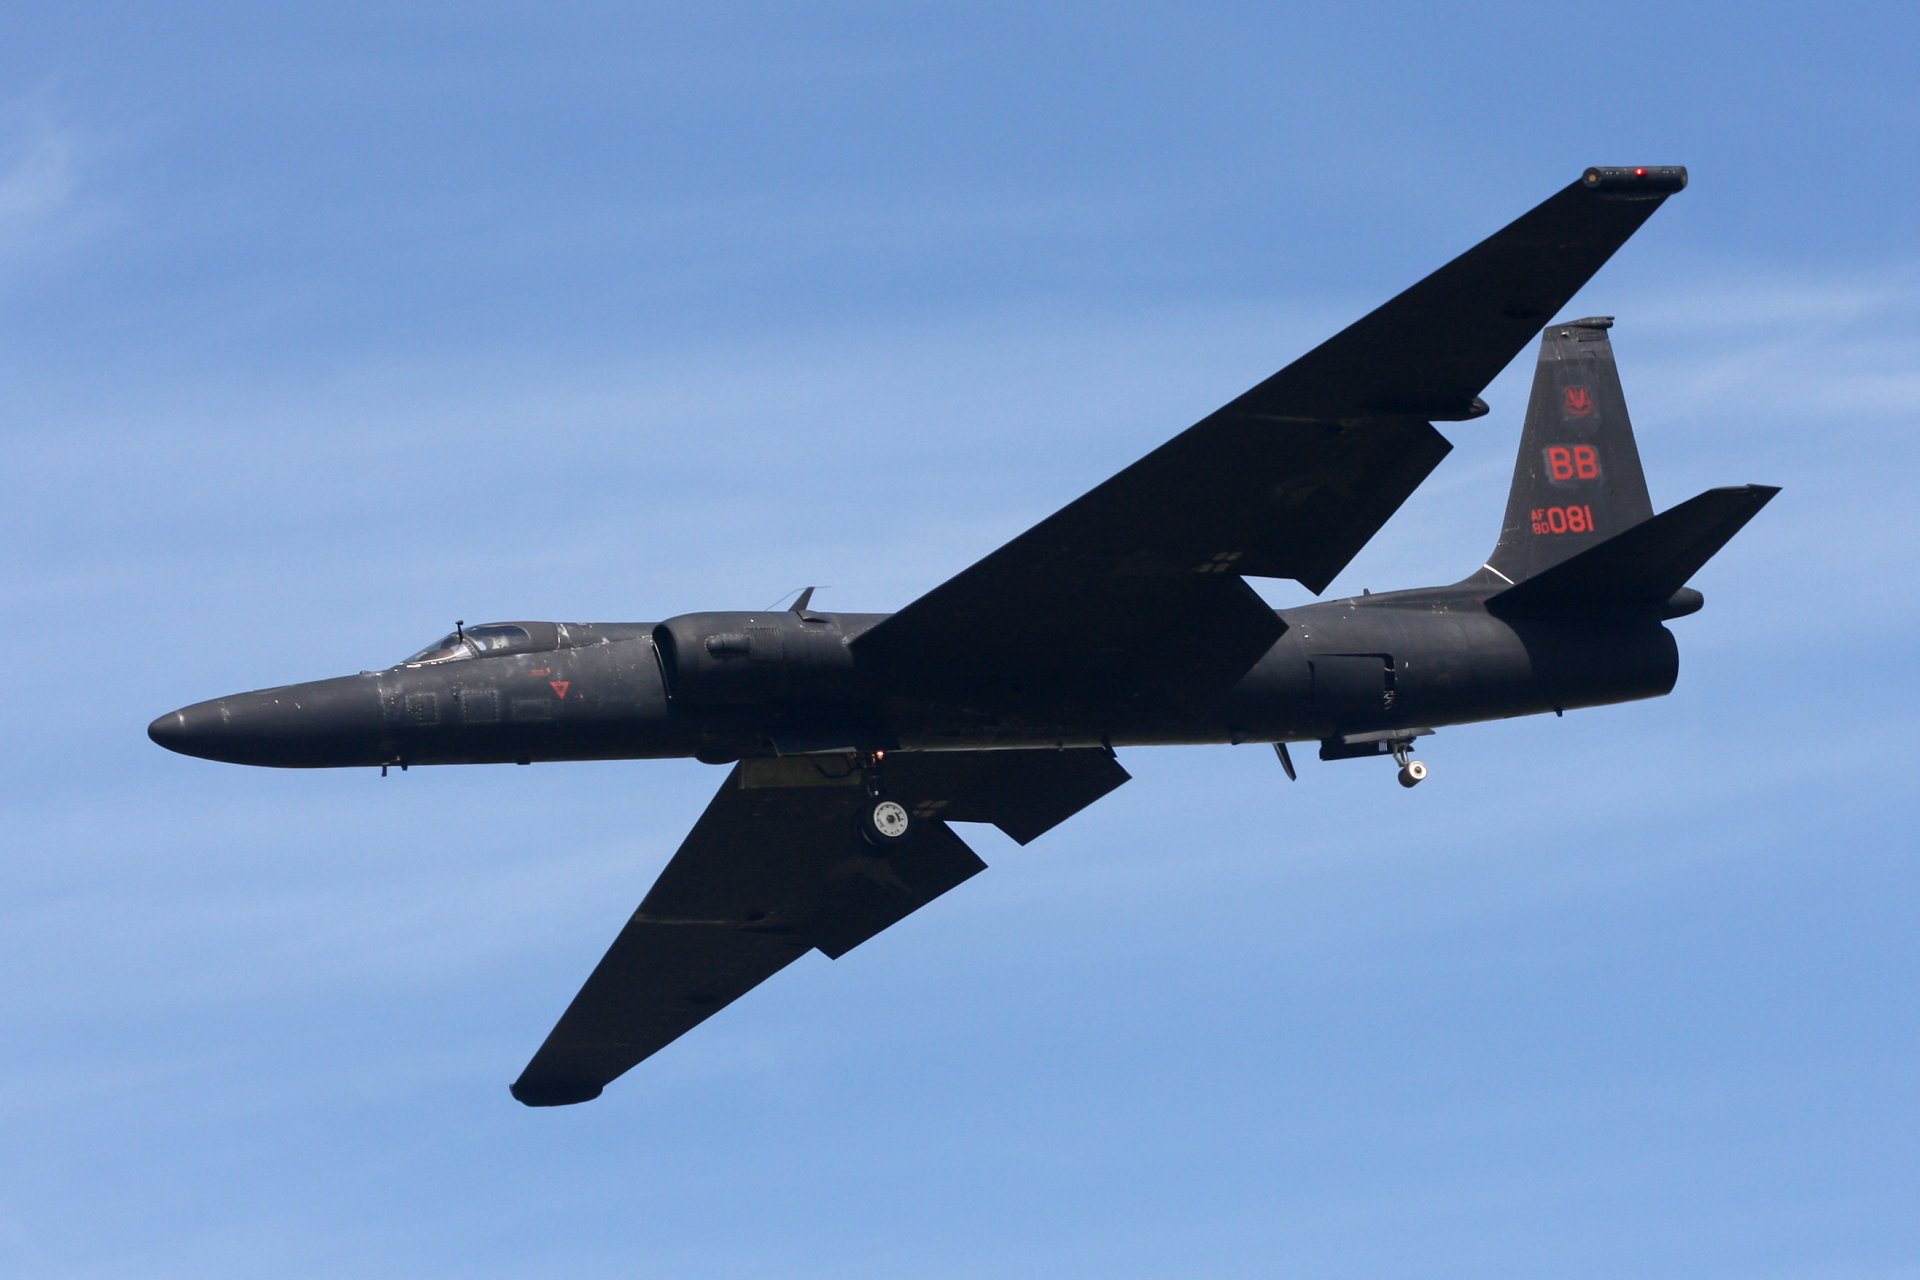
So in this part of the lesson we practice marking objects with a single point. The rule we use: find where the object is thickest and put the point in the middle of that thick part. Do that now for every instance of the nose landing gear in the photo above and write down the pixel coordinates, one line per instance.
(885, 823)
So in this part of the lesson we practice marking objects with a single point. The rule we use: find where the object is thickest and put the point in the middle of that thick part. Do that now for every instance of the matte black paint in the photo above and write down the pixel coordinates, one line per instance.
(1122, 620)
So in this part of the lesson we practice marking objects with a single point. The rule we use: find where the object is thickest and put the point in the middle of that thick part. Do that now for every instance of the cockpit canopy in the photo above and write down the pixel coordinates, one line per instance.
(489, 637)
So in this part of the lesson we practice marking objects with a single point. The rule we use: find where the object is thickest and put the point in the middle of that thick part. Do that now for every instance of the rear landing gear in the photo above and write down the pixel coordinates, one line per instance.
(1412, 772)
(1397, 743)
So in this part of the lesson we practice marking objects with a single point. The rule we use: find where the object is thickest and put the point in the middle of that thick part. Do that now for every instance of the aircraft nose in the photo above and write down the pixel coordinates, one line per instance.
(327, 722)
(211, 729)
(173, 732)
(237, 729)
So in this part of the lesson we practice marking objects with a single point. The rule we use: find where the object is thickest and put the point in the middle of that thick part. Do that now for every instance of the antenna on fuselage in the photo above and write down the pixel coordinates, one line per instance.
(799, 605)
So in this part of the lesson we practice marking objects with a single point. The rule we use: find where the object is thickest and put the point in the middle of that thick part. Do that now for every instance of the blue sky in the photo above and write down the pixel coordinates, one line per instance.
(320, 331)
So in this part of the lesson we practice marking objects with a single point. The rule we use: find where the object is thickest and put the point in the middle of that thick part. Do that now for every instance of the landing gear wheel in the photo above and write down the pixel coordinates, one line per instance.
(885, 824)
(1413, 773)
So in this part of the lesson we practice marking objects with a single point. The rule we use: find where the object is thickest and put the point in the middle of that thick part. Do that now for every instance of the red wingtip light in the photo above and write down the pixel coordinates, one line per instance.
(1636, 182)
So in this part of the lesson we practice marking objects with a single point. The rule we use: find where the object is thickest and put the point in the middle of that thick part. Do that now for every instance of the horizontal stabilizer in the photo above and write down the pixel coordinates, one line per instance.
(1644, 565)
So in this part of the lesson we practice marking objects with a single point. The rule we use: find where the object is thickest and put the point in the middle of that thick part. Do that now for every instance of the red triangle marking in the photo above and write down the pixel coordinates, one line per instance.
(559, 687)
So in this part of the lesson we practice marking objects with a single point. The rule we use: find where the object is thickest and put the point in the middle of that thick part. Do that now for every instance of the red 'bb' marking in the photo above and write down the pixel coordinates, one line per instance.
(559, 687)
(1578, 401)
(1582, 462)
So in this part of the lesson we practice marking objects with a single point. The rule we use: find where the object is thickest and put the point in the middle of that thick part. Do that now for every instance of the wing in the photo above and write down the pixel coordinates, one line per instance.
(1289, 480)
(774, 868)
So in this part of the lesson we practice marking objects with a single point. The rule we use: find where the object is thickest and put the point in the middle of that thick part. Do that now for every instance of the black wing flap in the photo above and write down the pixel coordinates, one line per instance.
(1024, 793)
(1289, 480)
(780, 852)
(775, 867)
(1149, 564)
(866, 894)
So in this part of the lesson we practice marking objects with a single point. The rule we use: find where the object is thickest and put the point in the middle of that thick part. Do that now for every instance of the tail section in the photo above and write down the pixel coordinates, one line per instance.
(1646, 566)
(1577, 481)
(1580, 533)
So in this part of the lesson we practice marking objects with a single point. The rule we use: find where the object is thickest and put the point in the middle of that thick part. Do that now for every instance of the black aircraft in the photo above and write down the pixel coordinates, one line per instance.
(1123, 619)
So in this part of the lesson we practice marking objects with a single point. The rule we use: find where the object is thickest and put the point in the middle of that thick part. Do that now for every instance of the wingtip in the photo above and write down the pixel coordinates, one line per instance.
(554, 1094)
(1633, 181)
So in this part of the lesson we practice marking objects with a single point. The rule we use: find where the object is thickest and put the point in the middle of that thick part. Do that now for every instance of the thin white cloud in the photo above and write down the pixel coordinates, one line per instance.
(1805, 302)
(40, 179)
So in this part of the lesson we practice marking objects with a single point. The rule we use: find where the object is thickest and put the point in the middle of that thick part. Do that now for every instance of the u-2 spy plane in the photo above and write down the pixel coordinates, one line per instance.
(1123, 619)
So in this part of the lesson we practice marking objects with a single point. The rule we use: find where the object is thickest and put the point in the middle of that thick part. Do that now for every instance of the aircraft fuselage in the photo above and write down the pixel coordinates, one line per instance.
(720, 686)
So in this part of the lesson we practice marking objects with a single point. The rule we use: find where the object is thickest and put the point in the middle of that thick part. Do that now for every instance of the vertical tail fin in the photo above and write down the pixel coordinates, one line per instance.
(1577, 481)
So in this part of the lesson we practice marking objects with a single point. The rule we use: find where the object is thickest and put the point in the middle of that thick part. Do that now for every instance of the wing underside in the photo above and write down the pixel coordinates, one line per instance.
(775, 868)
